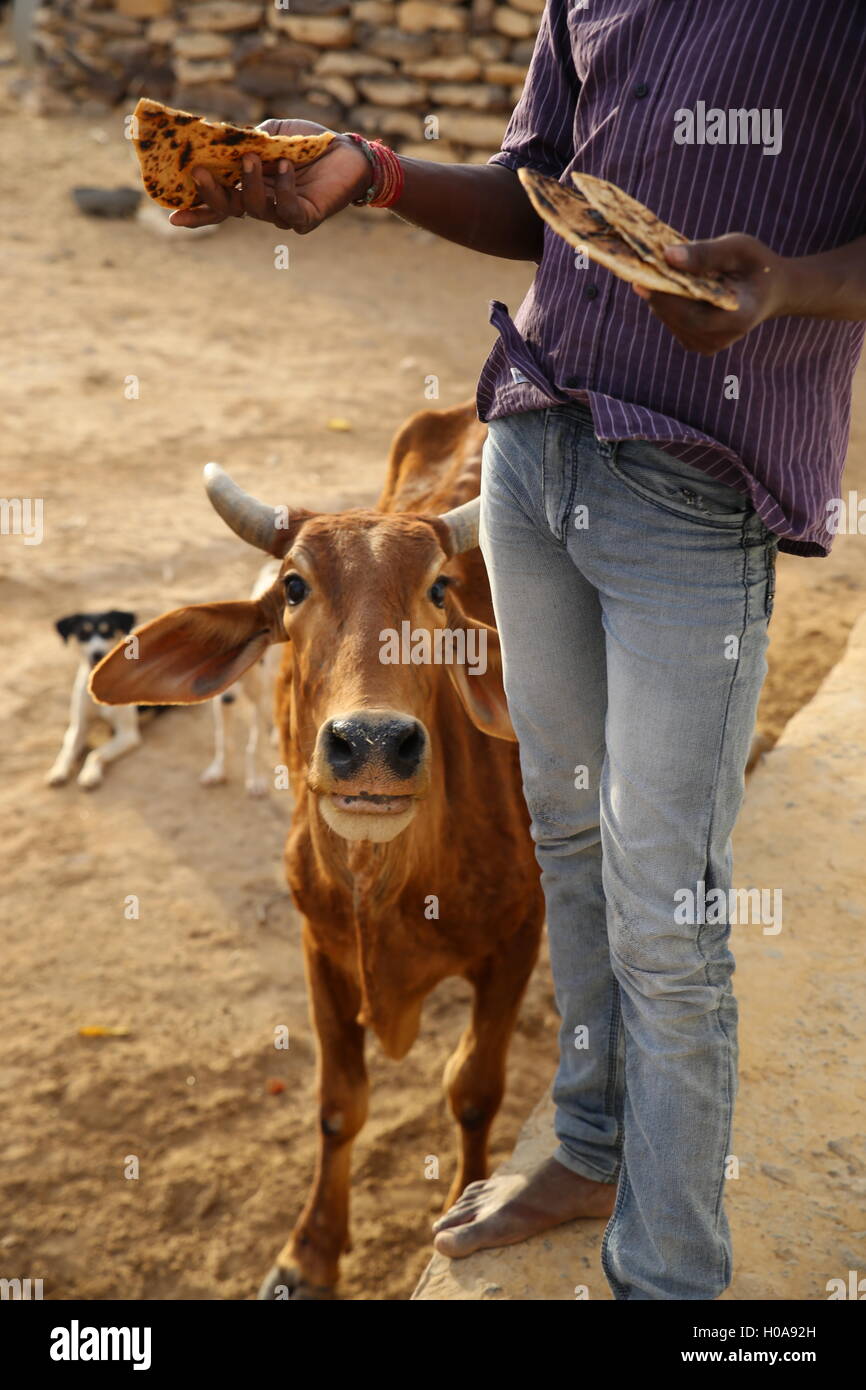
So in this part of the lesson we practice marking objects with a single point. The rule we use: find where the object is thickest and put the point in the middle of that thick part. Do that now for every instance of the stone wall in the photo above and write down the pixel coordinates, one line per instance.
(437, 78)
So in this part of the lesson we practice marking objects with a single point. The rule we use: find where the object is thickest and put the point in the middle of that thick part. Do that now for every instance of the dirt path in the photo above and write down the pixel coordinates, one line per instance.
(240, 362)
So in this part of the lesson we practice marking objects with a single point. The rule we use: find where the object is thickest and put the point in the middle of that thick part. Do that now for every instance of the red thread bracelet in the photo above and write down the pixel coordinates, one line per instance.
(388, 175)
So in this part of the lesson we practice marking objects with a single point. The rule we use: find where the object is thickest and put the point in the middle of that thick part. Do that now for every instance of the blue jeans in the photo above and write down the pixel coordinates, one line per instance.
(632, 595)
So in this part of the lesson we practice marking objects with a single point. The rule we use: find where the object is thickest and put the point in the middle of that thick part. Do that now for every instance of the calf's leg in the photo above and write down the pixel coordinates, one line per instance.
(475, 1074)
(308, 1265)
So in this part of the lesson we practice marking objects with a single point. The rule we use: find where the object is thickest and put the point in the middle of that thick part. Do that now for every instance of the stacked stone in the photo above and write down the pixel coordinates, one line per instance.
(435, 78)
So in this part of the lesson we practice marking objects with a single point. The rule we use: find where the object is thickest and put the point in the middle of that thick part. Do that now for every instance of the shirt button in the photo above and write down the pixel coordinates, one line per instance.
(641, 89)
(591, 291)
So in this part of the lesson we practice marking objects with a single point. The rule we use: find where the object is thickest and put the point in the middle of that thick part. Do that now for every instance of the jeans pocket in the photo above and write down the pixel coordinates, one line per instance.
(665, 481)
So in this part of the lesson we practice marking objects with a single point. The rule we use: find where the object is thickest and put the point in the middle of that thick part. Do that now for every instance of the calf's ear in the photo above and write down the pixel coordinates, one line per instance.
(478, 681)
(185, 656)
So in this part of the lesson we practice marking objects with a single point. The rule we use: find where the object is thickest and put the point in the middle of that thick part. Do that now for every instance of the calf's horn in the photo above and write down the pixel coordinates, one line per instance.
(462, 523)
(250, 519)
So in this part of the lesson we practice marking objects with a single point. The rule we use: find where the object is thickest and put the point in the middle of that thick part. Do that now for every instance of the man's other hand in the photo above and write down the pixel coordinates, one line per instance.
(756, 274)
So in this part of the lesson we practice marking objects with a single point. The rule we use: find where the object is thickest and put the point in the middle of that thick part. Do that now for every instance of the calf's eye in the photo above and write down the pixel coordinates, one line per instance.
(296, 589)
(437, 591)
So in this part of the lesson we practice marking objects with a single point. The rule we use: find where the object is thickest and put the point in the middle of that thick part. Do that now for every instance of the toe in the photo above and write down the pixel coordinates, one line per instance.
(457, 1215)
(458, 1243)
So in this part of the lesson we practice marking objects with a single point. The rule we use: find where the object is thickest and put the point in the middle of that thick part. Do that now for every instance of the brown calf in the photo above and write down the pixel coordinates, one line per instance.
(409, 854)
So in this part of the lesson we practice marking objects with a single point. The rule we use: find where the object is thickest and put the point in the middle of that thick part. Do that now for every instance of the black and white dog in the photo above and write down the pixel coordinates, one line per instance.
(96, 634)
(256, 690)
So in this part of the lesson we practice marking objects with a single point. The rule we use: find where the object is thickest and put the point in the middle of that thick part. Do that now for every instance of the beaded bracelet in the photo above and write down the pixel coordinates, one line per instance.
(388, 177)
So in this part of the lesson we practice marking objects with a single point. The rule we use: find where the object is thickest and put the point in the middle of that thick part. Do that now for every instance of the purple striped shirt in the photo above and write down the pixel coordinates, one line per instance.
(605, 93)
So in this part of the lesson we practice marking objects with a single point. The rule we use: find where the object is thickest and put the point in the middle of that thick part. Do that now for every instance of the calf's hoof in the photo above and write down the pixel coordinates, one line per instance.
(289, 1284)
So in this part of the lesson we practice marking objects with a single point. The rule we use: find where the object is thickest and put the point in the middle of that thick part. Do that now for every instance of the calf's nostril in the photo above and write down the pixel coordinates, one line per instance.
(410, 747)
(340, 750)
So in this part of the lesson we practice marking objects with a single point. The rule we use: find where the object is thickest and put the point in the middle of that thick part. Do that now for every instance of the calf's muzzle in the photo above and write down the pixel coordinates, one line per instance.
(389, 744)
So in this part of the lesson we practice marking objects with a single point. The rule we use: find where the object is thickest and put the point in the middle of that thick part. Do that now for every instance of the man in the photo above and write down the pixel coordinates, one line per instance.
(644, 462)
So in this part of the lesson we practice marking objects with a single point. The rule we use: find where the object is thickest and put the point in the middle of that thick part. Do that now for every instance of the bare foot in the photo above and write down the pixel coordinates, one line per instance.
(504, 1211)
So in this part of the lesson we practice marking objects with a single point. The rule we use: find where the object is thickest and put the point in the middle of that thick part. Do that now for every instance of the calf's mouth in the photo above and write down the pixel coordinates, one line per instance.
(371, 803)
(365, 815)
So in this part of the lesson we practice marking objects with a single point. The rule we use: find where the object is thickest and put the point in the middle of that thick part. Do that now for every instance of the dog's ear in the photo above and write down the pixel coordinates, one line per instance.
(120, 621)
(66, 626)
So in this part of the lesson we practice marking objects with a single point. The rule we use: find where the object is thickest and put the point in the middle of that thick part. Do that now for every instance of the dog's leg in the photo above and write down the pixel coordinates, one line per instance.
(75, 737)
(125, 737)
(253, 685)
(258, 684)
(256, 785)
(215, 772)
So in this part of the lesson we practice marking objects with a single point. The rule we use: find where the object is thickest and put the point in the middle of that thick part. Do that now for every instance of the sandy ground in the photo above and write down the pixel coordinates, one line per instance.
(239, 362)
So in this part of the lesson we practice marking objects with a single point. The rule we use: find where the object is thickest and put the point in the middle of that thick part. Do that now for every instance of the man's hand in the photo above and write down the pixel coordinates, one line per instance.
(760, 279)
(482, 206)
(297, 200)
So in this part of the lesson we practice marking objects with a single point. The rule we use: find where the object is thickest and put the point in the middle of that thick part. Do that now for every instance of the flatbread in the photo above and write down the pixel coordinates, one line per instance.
(572, 216)
(569, 213)
(648, 236)
(170, 144)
